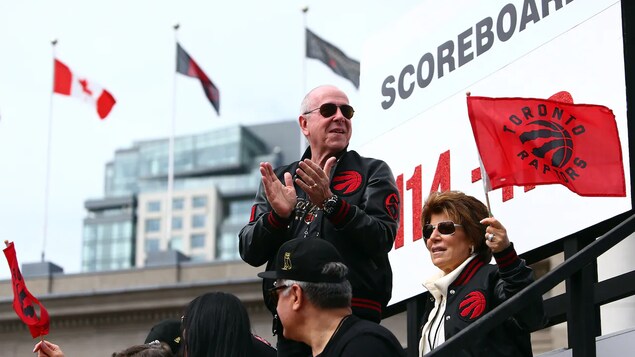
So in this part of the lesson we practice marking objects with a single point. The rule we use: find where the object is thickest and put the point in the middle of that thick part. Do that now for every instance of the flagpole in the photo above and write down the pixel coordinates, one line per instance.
(487, 185)
(168, 205)
(47, 178)
(305, 10)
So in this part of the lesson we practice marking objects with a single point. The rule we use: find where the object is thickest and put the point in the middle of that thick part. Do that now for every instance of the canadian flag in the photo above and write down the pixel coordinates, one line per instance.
(68, 83)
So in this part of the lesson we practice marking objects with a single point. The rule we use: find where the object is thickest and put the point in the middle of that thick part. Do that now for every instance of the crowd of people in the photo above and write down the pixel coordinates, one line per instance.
(323, 226)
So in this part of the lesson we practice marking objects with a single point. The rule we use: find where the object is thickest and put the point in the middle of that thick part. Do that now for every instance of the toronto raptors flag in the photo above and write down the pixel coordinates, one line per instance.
(529, 141)
(24, 303)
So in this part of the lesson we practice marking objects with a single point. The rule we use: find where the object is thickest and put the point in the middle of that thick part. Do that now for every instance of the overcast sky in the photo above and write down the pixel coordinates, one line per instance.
(253, 50)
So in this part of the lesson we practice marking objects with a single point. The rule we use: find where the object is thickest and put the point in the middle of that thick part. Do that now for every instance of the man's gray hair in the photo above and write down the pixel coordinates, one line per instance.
(305, 106)
(327, 295)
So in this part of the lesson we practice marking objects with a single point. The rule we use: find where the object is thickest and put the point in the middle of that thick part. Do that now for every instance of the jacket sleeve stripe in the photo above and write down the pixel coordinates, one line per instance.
(276, 222)
(507, 258)
(342, 213)
(367, 304)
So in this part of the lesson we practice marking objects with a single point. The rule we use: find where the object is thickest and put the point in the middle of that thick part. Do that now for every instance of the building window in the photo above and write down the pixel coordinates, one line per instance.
(177, 204)
(154, 206)
(239, 211)
(199, 201)
(198, 221)
(198, 258)
(197, 241)
(153, 225)
(176, 243)
(152, 245)
(177, 223)
(227, 246)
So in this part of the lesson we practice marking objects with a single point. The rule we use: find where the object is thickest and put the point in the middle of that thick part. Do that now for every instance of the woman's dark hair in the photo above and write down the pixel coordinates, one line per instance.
(464, 210)
(147, 350)
(216, 325)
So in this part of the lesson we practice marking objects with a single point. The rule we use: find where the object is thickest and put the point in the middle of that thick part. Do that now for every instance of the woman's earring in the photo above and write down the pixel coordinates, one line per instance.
(471, 249)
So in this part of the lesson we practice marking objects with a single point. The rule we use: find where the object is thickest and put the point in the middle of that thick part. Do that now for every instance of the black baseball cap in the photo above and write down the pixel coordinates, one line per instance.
(302, 259)
(168, 331)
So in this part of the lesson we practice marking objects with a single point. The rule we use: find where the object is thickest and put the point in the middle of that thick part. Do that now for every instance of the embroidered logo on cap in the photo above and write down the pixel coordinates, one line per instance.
(287, 261)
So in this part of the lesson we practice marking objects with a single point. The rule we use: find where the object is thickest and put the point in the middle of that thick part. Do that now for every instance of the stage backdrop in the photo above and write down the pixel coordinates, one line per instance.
(413, 112)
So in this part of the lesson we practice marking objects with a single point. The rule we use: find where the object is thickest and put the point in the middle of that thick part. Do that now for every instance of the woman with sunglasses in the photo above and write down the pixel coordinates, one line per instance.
(461, 240)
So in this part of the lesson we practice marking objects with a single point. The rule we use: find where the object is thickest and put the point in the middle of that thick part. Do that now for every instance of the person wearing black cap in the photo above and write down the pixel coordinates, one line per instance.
(334, 194)
(168, 332)
(313, 300)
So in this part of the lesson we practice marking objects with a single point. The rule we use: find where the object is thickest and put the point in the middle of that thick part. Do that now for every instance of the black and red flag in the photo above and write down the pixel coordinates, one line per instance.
(187, 66)
(333, 57)
(23, 302)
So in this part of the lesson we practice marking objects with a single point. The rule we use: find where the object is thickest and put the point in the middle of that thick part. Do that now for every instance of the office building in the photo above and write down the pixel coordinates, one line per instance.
(216, 177)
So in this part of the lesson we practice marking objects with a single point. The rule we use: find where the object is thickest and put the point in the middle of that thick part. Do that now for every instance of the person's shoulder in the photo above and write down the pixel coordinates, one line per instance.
(261, 347)
(365, 160)
(369, 327)
(374, 339)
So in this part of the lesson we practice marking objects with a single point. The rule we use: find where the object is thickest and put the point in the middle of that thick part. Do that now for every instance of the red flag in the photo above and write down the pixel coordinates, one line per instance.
(529, 141)
(187, 66)
(23, 302)
(68, 83)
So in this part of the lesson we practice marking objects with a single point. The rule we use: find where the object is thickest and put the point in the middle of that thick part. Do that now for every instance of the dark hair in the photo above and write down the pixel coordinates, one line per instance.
(146, 350)
(216, 325)
(464, 210)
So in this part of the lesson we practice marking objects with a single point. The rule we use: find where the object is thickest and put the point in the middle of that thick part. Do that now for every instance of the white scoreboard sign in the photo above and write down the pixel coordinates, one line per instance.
(413, 111)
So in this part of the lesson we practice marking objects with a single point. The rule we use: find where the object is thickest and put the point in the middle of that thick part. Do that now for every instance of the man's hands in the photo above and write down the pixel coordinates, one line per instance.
(315, 181)
(311, 179)
(282, 198)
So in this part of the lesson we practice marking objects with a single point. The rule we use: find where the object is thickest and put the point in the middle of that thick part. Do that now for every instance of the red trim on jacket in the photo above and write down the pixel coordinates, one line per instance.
(468, 272)
(507, 259)
(341, 213)
(366, 304)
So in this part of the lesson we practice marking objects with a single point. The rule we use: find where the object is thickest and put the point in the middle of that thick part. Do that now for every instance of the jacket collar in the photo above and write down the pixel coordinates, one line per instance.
(438, 284)
(468, 272)
(307, 153)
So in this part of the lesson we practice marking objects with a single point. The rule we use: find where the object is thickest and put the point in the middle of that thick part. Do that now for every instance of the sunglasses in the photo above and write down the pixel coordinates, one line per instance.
(329, 109)
(445, 228)
(273, 292)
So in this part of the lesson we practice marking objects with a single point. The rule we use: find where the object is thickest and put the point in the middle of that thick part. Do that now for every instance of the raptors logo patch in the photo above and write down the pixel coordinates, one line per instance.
(472, 306)
(392, 205)
(347, 182)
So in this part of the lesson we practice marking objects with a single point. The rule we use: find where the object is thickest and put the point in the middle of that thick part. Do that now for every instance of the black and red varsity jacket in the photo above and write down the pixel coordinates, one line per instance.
(362, 228)
(480, 288)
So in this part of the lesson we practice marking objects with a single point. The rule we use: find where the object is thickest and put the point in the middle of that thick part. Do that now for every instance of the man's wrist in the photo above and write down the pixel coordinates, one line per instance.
(273, 220)
(330, 204)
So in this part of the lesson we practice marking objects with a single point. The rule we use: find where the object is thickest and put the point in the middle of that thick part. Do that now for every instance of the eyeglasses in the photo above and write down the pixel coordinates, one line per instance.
(273, 292)
(445, 228)
(329, 109)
